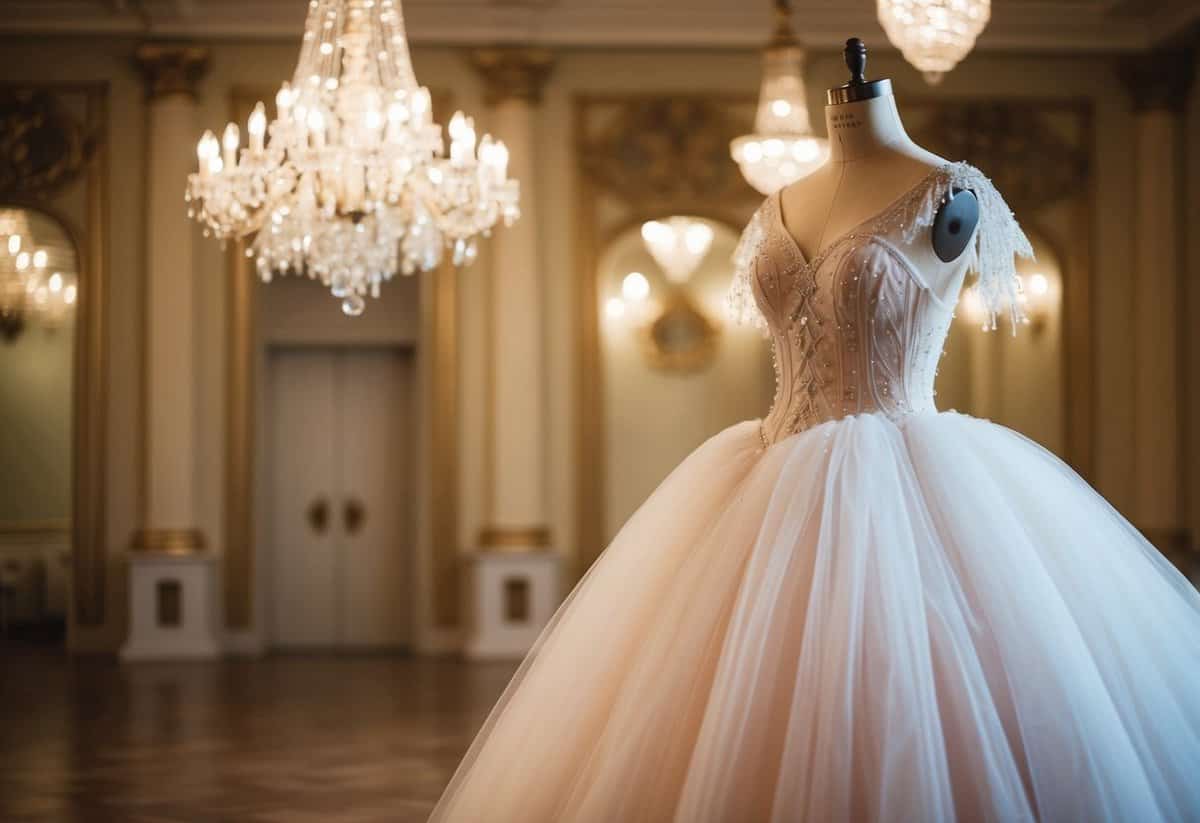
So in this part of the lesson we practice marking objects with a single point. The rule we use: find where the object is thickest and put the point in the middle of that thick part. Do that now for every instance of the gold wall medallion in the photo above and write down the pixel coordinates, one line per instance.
(681, 338)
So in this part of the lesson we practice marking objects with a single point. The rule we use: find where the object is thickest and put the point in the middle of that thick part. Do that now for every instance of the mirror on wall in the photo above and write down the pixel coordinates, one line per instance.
(38, 292)
(675, 369)
(1014, 379)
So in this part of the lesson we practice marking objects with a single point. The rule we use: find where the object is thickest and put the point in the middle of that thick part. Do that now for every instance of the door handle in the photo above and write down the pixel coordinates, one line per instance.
(318, 515)
(353, 515)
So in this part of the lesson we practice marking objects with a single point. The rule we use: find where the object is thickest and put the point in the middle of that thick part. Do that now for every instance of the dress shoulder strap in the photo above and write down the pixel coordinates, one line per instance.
(998, 239)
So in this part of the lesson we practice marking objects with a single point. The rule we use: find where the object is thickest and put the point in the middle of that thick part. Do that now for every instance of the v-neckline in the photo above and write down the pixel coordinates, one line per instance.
(856, 229)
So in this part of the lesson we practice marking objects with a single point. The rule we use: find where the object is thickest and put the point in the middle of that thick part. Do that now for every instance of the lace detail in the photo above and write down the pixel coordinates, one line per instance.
(740, 300)
(998, 238)
(856, 329)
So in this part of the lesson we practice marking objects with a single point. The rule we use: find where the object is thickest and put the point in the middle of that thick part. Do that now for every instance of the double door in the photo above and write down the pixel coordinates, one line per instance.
(341, 455)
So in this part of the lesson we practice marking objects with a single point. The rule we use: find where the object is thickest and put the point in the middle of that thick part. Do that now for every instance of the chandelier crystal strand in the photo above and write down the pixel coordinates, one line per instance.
(351, 182)
(783, 147)
(934, 35)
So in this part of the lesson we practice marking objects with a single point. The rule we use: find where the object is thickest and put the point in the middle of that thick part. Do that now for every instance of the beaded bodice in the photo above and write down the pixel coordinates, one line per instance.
(857, 328)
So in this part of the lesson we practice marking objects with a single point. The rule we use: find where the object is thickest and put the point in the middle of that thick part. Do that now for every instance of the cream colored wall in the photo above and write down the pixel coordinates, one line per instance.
(77, 60)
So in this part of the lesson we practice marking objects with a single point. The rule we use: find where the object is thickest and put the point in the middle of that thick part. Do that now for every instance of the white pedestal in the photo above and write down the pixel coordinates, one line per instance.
(512, 595)
(171, 599)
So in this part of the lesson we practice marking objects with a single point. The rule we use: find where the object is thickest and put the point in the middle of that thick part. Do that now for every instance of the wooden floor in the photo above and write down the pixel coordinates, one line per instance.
(295, 739)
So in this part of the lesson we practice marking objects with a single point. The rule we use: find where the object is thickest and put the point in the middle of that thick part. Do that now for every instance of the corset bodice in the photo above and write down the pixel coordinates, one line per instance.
(857, 329)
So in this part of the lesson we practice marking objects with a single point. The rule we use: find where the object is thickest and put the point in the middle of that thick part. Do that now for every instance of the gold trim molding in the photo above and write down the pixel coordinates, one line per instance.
(509, 539)
(513, 73)
(168, 541)
(171, 68)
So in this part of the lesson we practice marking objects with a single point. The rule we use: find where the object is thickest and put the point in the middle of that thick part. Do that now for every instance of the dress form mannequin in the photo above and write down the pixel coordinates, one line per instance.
(872, 162)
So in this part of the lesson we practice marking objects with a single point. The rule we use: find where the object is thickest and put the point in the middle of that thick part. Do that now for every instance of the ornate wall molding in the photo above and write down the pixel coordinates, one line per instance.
(43, 147)
(513, 73)
(1031, 163)
(171, 68)
(668, 149)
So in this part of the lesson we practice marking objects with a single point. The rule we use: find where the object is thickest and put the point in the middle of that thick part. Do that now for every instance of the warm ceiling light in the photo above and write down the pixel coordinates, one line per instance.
(783, 147)
(934, 35)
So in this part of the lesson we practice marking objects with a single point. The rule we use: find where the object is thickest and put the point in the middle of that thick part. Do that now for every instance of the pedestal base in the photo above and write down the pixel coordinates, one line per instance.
(171, 601)
(512, 595)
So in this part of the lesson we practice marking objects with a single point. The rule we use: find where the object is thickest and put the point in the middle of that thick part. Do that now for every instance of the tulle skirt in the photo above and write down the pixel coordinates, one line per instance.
(874, 620)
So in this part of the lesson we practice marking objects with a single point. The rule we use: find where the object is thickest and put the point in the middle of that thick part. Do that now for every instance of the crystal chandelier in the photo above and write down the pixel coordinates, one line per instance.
(678, 244)
(350, 182)
(37, 279)
(934, 35)
(783, 147)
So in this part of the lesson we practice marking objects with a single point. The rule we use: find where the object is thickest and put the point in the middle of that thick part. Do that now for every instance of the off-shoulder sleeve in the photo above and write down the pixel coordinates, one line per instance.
(740, 302)
(997, 244)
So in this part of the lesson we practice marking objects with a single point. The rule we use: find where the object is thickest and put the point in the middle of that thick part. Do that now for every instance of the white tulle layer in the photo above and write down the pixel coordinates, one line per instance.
(924, 620)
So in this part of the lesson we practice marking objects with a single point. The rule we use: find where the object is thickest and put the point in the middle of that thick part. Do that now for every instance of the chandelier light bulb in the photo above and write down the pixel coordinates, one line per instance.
(614, 308)
(55, 283)
(40, 258)
(69, 294)
(352, 181)
(635, 287)
(14, 243)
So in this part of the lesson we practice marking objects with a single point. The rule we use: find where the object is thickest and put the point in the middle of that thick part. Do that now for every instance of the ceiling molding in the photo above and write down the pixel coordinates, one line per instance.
(1069, 26)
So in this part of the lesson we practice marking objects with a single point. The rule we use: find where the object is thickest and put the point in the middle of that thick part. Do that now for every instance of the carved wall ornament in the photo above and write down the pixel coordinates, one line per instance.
(667, 150)
(513, 73)
(42, 146)
(1013, 144)
(681, 338)
(171, 68)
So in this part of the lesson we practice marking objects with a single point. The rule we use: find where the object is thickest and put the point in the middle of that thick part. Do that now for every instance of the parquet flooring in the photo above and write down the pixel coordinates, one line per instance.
(293, 739)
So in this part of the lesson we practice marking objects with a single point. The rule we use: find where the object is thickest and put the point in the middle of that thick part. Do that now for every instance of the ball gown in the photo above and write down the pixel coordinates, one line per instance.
(858, 608)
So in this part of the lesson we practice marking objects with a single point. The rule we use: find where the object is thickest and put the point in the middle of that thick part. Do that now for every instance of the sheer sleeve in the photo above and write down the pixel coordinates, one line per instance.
(998, 240)
(740, 302)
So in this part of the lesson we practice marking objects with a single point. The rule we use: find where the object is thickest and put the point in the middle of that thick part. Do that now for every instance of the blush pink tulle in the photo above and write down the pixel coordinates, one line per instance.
(921, 619)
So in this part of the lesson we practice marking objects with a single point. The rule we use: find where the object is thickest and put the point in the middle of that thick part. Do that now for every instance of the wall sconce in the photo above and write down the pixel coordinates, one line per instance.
(1040, 295)
(674, 332)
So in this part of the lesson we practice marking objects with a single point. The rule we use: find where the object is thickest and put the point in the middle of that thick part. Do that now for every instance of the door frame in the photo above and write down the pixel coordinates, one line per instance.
(411, 525)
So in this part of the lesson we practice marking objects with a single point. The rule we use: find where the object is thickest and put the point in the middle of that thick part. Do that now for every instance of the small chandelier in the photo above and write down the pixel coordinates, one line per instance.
(37, 279)
(350, 182)
(783, 147)
(934, 35)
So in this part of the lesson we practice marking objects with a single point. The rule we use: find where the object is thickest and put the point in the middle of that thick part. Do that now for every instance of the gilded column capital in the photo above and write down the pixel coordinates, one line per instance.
(513, 73)
(1158, 80)
(171, 67)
